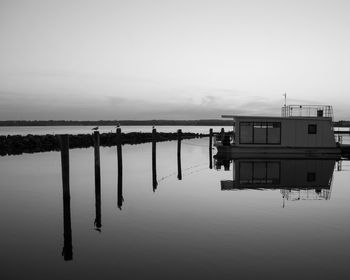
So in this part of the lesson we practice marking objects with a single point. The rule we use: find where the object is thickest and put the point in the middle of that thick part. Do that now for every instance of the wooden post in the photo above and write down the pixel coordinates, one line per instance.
(222, 135)
(120, 198)
(67, 251)
(97, 222)
(226, 164)
(154, 159)
(97, 158)
(210, 148)
(339, 165)
(179, 172)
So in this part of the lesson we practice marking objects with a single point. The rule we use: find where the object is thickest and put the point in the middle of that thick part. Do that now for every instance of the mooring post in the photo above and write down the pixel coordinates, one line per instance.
(339, 165)
(120, 198)
(210, 138)
(97, 222)
(97, 158)
(154, 159)
(210, 148)
(179, 172)
(222, 135)
(226, 164)
(119, 147)
(67, 251)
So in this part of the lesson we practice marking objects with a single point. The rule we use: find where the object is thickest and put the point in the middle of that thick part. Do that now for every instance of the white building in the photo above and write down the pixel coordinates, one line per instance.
(294, 132)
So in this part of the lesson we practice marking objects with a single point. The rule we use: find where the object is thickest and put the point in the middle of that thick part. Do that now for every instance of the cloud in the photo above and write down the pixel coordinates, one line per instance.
(17, 105)
(116, 100)
(20, 106)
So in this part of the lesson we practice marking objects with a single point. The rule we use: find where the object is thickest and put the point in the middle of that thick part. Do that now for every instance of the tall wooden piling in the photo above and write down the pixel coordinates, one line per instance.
(154, 159)
(211, 148)
(120, 198)
(67, 251)
(97, 158)
(179, 137)
(222, 136)
(97, 223)
(226, 164)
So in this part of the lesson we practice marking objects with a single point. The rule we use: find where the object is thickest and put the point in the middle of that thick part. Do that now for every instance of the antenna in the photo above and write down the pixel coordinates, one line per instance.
(285, 99)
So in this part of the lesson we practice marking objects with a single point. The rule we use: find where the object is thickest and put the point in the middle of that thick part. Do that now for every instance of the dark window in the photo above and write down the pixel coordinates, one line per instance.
(274, 133)
(263, 172)
(260, 133)
(246, 133)
(312, 129)
(311, 177)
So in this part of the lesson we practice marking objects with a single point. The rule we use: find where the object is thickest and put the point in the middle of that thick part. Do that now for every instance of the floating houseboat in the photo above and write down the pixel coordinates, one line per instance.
(300, 130)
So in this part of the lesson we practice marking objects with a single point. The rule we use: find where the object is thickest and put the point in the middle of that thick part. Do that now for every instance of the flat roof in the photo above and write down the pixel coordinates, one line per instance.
(276, 117)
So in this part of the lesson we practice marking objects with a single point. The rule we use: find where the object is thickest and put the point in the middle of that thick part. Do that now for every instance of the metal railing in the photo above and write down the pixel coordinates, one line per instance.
(338, 139)
(307, 111)
(306, 194)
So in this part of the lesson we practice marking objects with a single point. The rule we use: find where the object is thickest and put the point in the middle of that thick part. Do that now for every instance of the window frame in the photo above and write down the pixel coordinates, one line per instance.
(266, 125)
(266, 180)
(240, 132)
(311, 177)
(312, 129)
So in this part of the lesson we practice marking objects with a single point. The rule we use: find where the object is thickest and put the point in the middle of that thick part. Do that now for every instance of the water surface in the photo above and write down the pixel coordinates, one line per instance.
(183, 229)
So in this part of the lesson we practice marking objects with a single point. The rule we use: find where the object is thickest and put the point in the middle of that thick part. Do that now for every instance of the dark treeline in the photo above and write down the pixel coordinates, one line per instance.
(208, 122)
(17, 144)
(115, 122)
(342, 124)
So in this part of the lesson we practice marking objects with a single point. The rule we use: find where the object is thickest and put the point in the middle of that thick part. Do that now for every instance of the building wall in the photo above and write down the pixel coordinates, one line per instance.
(297, 172)
(294, 132)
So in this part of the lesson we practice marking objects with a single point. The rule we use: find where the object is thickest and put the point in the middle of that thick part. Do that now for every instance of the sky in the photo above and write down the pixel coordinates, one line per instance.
(161, 59)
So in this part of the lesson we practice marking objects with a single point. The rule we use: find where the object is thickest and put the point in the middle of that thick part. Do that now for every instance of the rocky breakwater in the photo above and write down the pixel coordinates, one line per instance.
(18, 144)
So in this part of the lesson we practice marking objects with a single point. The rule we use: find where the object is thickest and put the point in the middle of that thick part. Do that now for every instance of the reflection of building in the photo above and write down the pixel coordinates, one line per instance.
(297, 179)
(306, 194)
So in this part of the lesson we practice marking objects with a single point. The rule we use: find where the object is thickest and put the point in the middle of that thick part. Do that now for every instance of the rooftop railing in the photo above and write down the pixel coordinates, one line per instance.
(307, 111)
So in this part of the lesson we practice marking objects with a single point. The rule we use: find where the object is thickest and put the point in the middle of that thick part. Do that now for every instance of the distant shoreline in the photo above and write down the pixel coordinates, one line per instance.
(209, 122)
(122, 122)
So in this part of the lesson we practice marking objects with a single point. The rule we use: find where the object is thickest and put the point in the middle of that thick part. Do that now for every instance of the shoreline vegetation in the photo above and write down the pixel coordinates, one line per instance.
(17, 144)
(208, 122)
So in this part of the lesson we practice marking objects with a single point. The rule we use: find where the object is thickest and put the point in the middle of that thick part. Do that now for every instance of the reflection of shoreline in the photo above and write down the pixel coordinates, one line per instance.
(298, 179)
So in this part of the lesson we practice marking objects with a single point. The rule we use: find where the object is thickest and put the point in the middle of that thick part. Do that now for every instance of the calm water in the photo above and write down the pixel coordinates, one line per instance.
(42, 130)
(209, 225)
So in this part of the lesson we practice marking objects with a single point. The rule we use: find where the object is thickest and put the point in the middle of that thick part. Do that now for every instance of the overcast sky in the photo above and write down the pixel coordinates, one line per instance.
(191, 59)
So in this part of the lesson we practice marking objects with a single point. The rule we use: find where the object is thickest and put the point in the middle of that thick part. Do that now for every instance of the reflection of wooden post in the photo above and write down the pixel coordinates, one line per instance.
(67, 229)
(120, 168)
(154, 159)
(97, 223)
(226, 164)
(179, 173)
(210, 148)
